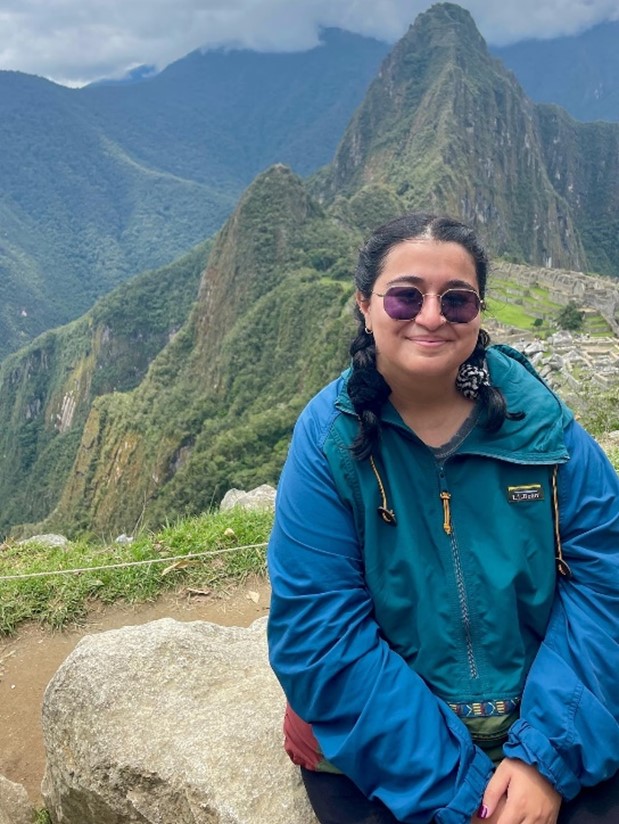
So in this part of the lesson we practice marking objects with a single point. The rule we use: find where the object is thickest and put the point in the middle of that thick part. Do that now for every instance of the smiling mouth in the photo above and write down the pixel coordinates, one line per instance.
(428, 341)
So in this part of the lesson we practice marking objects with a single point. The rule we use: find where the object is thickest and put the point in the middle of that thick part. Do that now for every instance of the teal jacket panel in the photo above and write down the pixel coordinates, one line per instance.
(464, 601)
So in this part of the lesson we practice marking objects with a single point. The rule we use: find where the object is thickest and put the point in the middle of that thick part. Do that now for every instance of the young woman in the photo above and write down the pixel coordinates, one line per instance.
(445, 567)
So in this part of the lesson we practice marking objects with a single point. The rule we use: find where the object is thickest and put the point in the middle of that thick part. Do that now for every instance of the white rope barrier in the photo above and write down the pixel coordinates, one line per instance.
(166, 560)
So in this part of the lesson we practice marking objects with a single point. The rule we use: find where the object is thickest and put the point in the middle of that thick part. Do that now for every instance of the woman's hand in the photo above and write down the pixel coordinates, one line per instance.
(518, 794)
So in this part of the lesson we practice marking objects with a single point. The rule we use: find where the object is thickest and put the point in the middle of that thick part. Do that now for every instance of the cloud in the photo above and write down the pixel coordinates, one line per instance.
(77, 41)
(508, 22)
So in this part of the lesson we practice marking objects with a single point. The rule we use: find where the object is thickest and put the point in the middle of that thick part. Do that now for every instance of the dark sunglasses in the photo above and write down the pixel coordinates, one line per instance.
(406, 302)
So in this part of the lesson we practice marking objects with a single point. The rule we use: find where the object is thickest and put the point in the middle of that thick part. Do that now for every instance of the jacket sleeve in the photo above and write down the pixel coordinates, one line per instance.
(373, 717)
(569, 724)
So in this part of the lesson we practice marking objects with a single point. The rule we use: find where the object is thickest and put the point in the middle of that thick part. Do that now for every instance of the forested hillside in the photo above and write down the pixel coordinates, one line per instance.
(101, 183)
(217, 405)
(93, 442)
(48, 388)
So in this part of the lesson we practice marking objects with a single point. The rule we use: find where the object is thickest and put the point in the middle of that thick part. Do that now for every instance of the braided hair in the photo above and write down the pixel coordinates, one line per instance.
(367, 388)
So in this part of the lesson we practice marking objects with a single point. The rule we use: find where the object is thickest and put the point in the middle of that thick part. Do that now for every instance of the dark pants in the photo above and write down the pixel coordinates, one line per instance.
(336, 800)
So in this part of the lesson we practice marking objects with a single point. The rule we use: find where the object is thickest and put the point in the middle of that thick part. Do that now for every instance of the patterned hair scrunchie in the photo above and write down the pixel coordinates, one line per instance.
(470, 378)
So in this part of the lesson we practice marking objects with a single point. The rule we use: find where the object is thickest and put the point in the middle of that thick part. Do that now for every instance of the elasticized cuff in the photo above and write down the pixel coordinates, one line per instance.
(468, 798)
(529, 745)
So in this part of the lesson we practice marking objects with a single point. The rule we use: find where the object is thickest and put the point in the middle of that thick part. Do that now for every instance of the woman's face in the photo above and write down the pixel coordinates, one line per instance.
(428, 346)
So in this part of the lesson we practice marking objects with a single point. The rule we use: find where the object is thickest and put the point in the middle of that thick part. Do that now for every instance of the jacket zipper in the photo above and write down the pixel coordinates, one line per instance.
(445, 497)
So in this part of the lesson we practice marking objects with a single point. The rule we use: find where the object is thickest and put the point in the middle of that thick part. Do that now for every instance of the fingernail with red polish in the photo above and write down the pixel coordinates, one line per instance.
(482, 812)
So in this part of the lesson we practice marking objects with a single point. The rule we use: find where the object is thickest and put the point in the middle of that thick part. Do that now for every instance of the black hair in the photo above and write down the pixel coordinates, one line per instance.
(367, 388)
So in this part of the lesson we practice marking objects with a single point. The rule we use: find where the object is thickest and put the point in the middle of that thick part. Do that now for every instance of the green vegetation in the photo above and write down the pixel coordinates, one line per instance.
(510, 314)
(165, 395)
(63, 599)
(570, 317)
(199, 424)
(211, 402)
(530, 308)
(600, 412)
(81, 215)
(102, 182)
(47, 389)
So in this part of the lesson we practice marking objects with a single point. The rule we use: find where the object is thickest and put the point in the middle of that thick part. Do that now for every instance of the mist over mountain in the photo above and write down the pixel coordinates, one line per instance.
(100, 183)
(90, 441)
(579, 73)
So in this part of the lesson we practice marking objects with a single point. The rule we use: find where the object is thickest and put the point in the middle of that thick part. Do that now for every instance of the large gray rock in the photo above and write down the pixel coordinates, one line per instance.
(50, 540)
(169, 723)
(262, 497)
(15, 808)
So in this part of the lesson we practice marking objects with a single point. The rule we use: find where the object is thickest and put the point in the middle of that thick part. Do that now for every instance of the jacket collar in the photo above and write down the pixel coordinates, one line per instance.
(538, 438)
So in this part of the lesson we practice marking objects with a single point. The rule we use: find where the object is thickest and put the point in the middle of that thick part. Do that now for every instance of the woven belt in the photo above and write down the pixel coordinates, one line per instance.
(486, 709)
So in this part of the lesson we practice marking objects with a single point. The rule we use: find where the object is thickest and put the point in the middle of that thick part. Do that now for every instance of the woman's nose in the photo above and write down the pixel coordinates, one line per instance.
(430, 315)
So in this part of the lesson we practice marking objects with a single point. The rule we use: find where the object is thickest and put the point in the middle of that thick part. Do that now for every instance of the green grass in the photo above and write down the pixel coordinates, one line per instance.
(58, 600)
(512, 305)
(510, 314)
(613, 455)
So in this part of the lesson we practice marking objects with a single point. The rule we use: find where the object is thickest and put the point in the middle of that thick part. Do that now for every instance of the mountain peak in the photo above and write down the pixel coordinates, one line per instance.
(441, 54)
(446, 128)
(444, 29)
(443, 17)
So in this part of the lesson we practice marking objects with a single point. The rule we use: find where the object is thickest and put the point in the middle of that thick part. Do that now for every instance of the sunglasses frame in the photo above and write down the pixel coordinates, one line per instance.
(481, 303)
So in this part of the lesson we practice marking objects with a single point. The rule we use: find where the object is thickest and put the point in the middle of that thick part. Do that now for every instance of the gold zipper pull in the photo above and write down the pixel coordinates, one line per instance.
(445, 498)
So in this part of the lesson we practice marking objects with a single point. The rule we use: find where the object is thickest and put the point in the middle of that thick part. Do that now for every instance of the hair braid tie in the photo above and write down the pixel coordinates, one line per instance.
(470, 379)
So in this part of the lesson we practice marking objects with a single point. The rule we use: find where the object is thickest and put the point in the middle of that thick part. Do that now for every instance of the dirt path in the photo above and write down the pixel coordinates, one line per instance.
(28, 661)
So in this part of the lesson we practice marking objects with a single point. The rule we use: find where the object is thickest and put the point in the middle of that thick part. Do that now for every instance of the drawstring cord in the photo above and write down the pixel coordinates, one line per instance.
(563, 568)
(388, 515)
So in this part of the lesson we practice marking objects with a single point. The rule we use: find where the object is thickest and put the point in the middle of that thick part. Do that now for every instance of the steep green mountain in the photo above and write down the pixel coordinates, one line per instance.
(99, 183)
(445, 126)
(217, 405)
(579, 73)
(47, 389)
(442, 126)
(79, 215)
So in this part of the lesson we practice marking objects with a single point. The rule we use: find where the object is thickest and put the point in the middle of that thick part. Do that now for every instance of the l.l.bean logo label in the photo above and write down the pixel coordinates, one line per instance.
(524, 493)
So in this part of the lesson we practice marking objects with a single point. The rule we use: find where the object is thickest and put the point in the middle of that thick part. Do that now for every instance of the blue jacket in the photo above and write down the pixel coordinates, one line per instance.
(485, 619)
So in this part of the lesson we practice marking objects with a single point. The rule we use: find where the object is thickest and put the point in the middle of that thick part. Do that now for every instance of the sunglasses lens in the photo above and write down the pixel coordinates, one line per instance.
(403, 302)
(460, 305)
(457, 305)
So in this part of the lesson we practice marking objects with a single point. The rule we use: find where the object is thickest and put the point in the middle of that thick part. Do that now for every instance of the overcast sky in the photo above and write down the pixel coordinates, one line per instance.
(77, 41)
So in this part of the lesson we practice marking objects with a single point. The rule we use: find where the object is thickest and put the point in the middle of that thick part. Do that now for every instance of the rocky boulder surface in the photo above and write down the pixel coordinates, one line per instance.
(15, 808)
(262, 497)
(169, 722)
